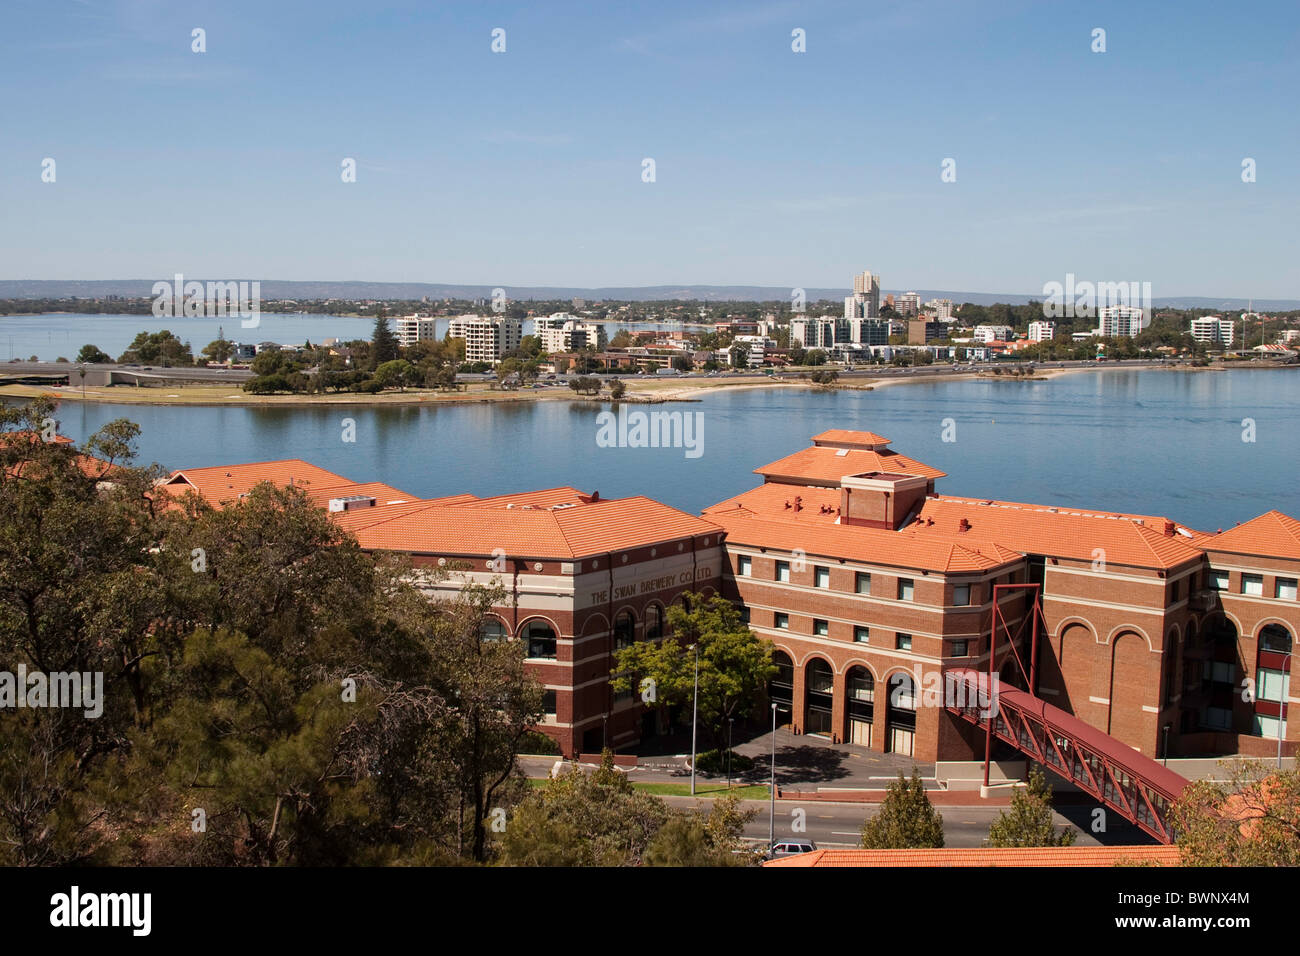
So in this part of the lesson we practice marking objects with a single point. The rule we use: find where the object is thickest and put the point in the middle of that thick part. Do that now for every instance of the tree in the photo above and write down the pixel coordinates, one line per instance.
(397, 373)
(1251, 819)
(617, 389)
(157, 348)
(583, 820)
(219, 350)
(696, 839)
(906, 819)
(384, 344)
(734, 665)
(1028, 821)
(93, 354)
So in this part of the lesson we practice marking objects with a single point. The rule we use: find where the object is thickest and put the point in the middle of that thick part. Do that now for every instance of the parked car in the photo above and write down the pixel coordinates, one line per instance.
(791, 848)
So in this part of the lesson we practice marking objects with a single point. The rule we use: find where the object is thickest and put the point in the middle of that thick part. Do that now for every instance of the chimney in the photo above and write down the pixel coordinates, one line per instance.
(798, 503)
(963, 525)
(1169, 529)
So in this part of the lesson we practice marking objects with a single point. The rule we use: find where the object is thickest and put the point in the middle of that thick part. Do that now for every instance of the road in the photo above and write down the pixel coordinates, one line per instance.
(840, 824)
(197, 374)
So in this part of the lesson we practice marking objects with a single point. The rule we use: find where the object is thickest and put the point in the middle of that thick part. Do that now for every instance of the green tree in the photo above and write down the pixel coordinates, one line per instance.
(617, 389)
(93, 354)
(1028, 821)
(384, 344)
(578, 819)
(157, 348)
(219, 350)
(734, 665)
(395, 374)
(906, 818)
(1250, 819)
(696, 839)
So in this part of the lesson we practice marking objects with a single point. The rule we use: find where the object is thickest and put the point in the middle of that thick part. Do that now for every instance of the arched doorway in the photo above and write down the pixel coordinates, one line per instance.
(900, 719)
(819, 690)
(780, 689)
(861, 689)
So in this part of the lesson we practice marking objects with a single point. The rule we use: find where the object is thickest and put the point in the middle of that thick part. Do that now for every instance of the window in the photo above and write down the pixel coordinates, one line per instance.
(781, 621)
(1175, 591)
(622, 695)
(822, 577)
(745, 566)
(548, 702)
(1271, 684)
(903, 642)
(905, 589)
(492, 630)
(1219, 580)
(783, 570)
(959, 648)
(1219, 672)
(1252, 584)
(961, 595)
(1275, 638)
(861, 634)
(1284, 588)
(820, 627)
(624, 631)
(1267, 726)
(1218, 718)
(744, 614)
(540, 638)
(654, 622)
(862, 583)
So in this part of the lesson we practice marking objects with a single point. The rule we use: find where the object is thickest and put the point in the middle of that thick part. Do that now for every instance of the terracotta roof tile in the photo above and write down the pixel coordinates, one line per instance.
(819, 464)
(989, 856)
(1273, 534)
(843, 436)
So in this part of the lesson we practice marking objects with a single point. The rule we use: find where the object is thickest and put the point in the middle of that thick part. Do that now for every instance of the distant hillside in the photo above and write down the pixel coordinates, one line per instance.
(285, 289)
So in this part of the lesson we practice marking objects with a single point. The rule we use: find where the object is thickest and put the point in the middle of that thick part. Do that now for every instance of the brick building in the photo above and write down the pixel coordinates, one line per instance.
(870, 584)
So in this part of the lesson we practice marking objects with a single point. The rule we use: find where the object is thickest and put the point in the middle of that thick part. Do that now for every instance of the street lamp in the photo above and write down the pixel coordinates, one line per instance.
(695, 711)
(1281, 708)
(730, 721)
(1166, 735)
(771, 790)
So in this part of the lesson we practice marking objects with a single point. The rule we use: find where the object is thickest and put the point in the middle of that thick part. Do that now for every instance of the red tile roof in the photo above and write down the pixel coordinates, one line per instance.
(989, 856)
(224, 483)
(1273, 533)
(1126, 539)
(820, 464)
(842, 436)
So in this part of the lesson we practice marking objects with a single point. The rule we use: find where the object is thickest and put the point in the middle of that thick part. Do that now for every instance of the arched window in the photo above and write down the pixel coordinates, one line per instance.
(861, 687)
(540, 638)
(901, 713)
(654, 622)
(624, 630)
(818, 694)
(491, 629)
(1274, 637)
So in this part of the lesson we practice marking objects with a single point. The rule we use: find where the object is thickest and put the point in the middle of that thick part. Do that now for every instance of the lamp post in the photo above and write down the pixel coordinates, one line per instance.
(1165, 729)
(730, 721)
(771, 812)
(1281, 709)
(695, 711)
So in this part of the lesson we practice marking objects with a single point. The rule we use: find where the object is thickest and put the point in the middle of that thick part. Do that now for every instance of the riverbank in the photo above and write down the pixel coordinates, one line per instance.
(639, 389)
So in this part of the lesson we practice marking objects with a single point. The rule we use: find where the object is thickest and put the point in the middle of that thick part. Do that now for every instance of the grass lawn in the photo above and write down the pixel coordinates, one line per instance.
(703, 788)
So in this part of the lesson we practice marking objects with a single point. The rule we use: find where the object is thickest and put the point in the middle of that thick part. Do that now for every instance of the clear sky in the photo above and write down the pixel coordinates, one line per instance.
(772, 167)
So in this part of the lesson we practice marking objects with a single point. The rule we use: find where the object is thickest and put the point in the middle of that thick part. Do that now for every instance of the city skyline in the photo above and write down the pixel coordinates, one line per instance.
(526, 167)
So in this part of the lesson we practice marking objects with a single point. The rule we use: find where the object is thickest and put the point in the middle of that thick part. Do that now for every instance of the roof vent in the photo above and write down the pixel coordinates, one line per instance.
(841, 452)
(963, 525)
(351, 503)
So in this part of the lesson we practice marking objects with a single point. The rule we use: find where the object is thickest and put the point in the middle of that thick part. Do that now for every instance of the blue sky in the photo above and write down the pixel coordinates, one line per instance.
(772, 167)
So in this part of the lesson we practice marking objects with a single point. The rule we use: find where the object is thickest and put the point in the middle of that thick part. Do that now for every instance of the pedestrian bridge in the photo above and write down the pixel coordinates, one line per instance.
(1117, 776)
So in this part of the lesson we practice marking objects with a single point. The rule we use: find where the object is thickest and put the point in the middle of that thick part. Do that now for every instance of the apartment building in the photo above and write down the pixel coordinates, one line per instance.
(487, 338)
(1120, 321)
(562, 332)
(908, 304)
(1042, 331)
(993, 333)
(411, 329)
(1213, 330)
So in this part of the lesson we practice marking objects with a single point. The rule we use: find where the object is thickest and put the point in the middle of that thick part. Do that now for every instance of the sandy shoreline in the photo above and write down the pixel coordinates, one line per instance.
(641, 391)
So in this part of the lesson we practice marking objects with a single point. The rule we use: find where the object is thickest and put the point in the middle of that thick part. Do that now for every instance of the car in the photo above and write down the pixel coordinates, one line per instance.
(790, 848)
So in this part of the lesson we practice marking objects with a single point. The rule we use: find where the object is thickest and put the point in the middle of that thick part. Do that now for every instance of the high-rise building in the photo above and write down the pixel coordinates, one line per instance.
(563, 332)
(909, 304)
(942, 309)
(993, 333)
(864, 303)
(1213, 330)
(416, 328)
(487, 339)
(922, 331)
(1119, 321)
(1042, 331)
